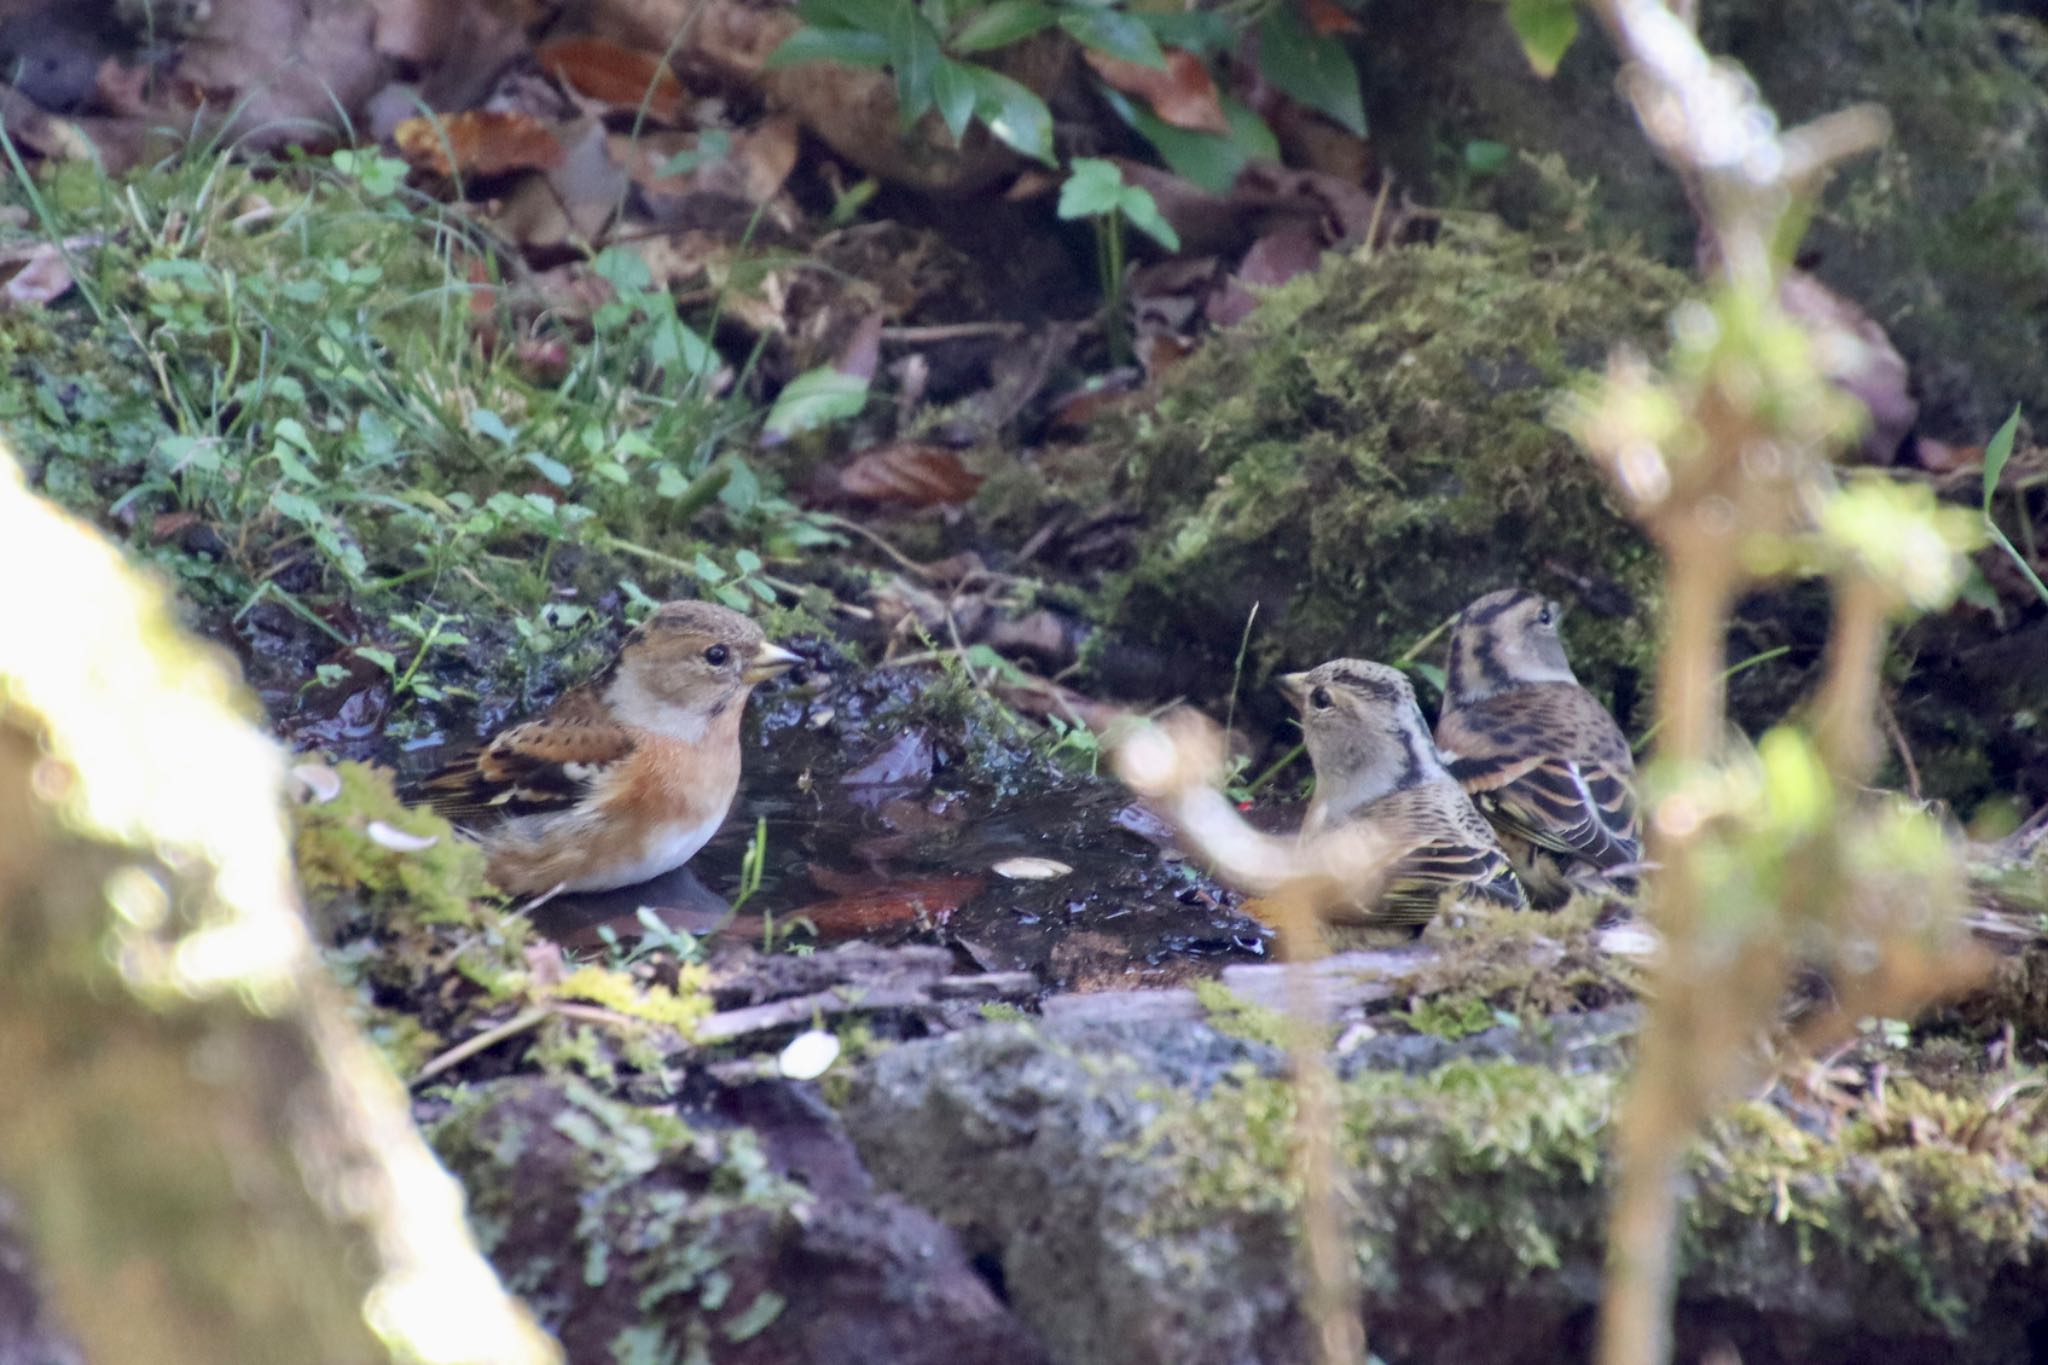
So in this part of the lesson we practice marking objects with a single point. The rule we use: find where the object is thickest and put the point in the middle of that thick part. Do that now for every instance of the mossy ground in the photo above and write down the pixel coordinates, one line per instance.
(1374, 449)
(293, 388)
(1481, 1183)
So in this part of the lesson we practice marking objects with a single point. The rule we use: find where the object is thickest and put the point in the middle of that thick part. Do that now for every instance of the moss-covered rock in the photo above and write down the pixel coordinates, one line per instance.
(648, 1235)
(1942, 236)
(1373, 449)
(1134, 1188)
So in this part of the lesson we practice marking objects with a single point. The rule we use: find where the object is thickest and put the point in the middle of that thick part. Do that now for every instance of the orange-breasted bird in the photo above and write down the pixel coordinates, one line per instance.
(626, 777)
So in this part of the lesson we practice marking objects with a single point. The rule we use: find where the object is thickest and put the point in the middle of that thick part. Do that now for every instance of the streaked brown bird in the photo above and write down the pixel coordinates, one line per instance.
(1539, 755)
(626, 777)
(1375, 763)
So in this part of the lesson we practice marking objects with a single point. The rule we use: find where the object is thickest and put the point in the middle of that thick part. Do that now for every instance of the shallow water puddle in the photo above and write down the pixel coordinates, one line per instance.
(890, 833)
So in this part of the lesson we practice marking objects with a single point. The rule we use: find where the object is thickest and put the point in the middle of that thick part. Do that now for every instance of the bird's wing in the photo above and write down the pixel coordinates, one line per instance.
(1448, 848)
(544, 765)
(1550, 766)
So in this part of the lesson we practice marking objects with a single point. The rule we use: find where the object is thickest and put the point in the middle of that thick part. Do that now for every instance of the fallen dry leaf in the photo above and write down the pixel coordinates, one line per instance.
(863, 350)
(609, 73)
(41, 279)
(1943, 457)
(398, 840)
(908, 474)
(1327, 16)
(913, 902)
(1858, 358)
(164, 525)
(278, 71)
(1031, 869)
(482, 142)
(1182, 92)
(318, 783)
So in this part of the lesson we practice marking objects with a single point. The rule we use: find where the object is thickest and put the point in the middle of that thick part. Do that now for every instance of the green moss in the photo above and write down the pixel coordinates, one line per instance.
(341, 863)
(652, 1225)
(1230, 1013)
(1489, 1172)
(1373, 449)
(1531, 966)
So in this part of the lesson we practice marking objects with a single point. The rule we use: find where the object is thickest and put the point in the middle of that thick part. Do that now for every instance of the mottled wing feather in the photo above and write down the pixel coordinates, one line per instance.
(1449, 847)
(544, 765)
(1548, 763)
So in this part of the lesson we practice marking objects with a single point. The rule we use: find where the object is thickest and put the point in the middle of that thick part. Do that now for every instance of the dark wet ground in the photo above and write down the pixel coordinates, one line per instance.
(892, 827)
(887, 814)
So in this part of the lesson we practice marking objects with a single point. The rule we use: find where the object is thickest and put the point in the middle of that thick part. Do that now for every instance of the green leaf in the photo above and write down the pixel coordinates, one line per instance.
(674, 342)
(953, 92)
(623, 270)
(1546, 28)
(1116, 33)
(1003, 23)
(712, 146)
(1143, 210)
(484, 422)
(1206, 159)
(813, 399)
(755, 1318)
(1484, 156)
(1996, 453)
(1013, 113)
(383, 658)
(1095, 187)
(551, 469)
(1310, 67)
(298, 507)
(707, 569)
(1202, 32)
(872, 15)
(914, 53)
(846, 46)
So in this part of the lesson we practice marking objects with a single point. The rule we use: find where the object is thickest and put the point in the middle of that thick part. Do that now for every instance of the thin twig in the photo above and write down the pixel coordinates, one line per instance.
(951, 331)
(523, 1022)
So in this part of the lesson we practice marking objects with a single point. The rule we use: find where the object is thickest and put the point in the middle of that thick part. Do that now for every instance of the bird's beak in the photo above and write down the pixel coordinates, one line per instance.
(769, 661)
(1295, 686)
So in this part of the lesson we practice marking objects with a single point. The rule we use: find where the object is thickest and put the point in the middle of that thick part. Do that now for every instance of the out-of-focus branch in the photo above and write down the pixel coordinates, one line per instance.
(211, 1164)
(1177, 765)
(1724, 459)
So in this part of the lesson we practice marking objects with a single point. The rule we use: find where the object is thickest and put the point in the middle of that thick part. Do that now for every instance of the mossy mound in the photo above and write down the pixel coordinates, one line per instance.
(1373, 449)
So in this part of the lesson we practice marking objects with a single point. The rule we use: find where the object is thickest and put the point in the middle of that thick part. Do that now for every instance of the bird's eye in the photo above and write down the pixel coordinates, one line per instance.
(1320, 698)
(717, 655)
(1546, 616)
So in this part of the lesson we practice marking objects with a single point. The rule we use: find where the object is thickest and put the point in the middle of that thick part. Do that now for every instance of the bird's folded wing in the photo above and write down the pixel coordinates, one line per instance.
(1583, 810)
(531, 769)
(1418, 880)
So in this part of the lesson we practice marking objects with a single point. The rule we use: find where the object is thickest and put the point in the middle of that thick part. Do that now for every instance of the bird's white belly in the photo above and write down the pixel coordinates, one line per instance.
(665, 848)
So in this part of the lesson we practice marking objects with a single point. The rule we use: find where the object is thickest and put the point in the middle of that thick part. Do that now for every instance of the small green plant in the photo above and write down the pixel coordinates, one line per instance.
(935, 50)
(657, 936)
(1995, 455)
(753, 864)
(427, 637)
(1098, 191)
(1072, 737)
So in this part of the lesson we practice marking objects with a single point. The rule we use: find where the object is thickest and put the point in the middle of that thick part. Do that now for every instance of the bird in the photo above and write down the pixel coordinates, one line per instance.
(1539, 755)
(1376, 764)
(624, 778)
